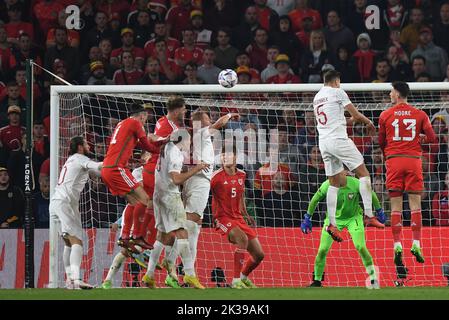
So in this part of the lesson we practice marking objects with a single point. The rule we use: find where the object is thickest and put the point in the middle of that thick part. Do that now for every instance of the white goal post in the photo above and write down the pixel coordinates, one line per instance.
(278, 97)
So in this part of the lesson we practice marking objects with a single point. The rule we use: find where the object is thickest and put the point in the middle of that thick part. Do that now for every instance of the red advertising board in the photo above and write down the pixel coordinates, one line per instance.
(289, 258)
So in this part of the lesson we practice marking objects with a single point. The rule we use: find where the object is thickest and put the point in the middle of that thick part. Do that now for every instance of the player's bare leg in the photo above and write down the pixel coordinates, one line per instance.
(76, 255)
(239, 238)
(257, 255)
(366, 194)
(396, 225)
(416, 224)
(183, 249)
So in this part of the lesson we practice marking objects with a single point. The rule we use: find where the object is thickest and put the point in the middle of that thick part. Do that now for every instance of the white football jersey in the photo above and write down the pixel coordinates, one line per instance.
(329, 108)
(73, 177)
(203, 150)
(171, 160)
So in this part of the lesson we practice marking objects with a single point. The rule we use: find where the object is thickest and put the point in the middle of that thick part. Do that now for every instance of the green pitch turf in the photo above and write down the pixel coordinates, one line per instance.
(231, 294)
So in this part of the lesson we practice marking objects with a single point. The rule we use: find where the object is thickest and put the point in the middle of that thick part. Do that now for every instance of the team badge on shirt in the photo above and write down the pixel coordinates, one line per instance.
(350, 196)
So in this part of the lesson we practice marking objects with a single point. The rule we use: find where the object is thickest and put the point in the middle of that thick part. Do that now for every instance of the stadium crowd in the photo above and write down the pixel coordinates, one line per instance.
(189, 42)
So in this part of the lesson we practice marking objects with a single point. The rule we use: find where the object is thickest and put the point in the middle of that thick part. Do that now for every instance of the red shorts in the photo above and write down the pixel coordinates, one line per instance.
(119, 181)
(148, 179)
(404, 174)
(224, 225)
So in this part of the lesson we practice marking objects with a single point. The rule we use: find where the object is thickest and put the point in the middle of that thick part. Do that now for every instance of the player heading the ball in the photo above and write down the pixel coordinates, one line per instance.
(402, 129)
(64, 207)
(337, 149)
(115, 173)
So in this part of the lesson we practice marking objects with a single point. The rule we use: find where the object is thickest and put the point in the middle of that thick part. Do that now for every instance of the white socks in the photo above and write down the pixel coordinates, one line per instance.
(367, 196)
(66, 260)
(171, 253)
(193, 230)
(331, 201)
(186, 256)
(417, 243)
(115, 266)
(397, 245)
(76, 255)
(154, 258)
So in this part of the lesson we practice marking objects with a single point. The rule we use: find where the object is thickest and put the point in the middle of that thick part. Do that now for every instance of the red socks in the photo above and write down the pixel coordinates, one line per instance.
(396, 225)
(127, 221)
(250, 265)
(138, 219)
(416, 224)
(239, 257)
(151, 228)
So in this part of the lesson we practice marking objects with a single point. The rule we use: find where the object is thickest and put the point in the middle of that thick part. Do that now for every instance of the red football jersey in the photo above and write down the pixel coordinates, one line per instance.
(185, 55)
(290, 78)
(126, 135)
(164, 128)
(171, 43)
(399, 130)
(122, 77)
(227, 194)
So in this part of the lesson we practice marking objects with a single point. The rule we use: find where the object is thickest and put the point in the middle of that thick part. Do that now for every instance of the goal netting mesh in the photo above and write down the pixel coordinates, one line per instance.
(277, 200)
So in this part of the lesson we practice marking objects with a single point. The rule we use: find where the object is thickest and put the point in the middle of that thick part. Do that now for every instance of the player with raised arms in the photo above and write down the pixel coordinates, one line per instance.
(196, 189)
(337, 148)
(401, 131)
(349, 215)
(64, 207)
(115, 172)
(229, 213)
(169, 211)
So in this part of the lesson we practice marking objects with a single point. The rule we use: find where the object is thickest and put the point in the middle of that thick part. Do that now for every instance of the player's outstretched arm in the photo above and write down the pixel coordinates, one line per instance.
(306, 223)
(179, 178)
(221, 122)
(357, 116)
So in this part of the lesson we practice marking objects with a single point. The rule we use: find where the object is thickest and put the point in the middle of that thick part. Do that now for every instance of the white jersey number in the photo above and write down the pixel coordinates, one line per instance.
(114, 141)
(62, 175)
(233, 193)
(322, 117)
(411, 126)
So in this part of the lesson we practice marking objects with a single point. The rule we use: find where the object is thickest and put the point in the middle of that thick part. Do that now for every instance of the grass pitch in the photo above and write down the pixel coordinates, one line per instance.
(421, 293)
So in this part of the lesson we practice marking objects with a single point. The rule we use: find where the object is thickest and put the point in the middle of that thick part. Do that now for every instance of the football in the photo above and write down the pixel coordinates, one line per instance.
(227, 78)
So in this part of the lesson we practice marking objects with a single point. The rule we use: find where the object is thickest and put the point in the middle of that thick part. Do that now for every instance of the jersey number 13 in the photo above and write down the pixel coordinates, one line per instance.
(410, 125)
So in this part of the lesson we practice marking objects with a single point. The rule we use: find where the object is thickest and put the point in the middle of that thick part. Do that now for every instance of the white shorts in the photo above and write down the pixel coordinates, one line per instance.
(196, 194)
(68, 216)
(336, 152)
(169, 212)
(137, 174)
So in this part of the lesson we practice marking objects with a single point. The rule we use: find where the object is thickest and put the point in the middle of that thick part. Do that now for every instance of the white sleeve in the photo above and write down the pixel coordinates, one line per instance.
(90, 165)
(205, 133)
(343, 98)
(175, 160)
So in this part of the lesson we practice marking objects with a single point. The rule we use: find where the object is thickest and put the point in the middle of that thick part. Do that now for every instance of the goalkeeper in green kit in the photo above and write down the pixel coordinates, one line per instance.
(349, 214)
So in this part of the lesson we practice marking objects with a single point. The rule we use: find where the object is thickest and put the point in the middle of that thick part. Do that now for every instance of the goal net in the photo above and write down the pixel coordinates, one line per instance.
(276, 118)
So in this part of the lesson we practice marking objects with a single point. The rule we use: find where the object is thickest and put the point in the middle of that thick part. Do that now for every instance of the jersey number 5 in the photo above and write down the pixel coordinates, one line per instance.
(233, 193)
(410, 126)
(322, 117)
